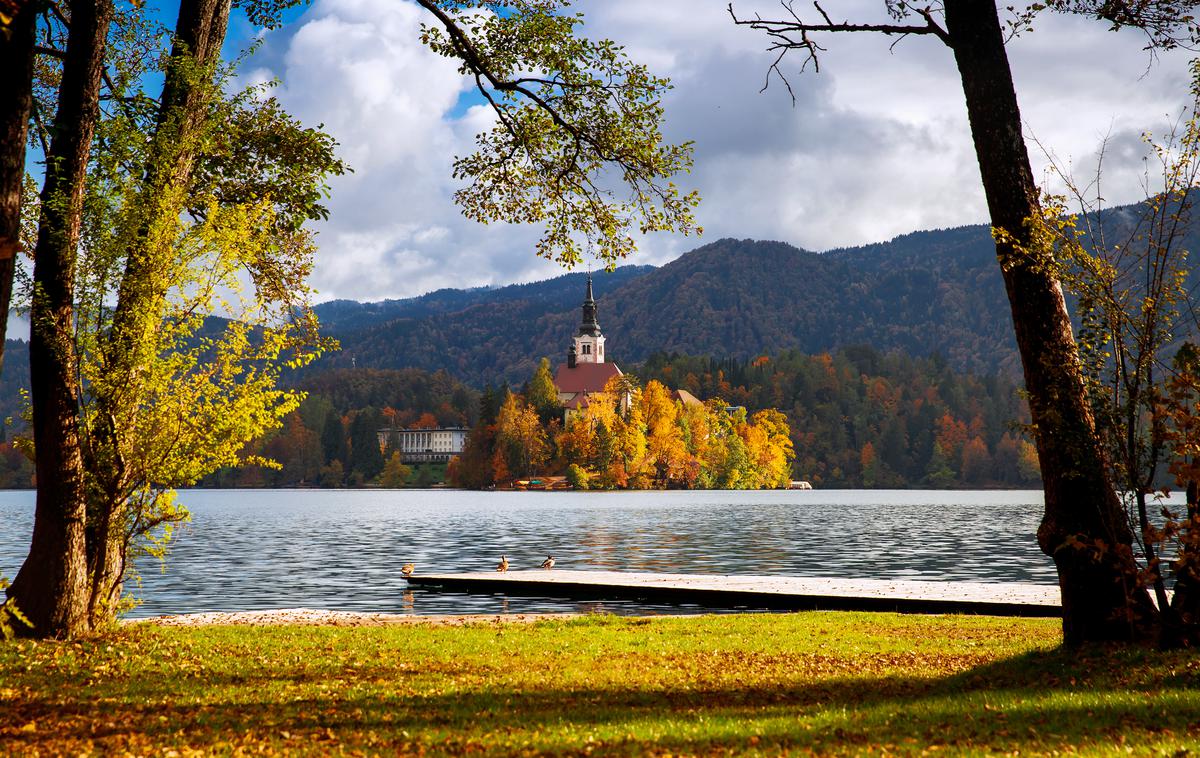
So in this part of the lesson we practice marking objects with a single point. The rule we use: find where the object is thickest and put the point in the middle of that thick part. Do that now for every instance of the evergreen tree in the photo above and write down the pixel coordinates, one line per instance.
(333, 440)
(938, 473)
(606, 447)
(542, 394)
(366, 459)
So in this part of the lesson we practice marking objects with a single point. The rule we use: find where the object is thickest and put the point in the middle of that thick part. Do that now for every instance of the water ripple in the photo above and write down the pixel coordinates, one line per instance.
(342, 550)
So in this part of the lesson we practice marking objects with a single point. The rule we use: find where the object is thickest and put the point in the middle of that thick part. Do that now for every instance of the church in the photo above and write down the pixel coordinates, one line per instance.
(586, 370)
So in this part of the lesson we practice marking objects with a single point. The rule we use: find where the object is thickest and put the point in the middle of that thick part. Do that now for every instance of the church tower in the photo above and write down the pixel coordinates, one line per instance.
(587, 370)
(588, 346)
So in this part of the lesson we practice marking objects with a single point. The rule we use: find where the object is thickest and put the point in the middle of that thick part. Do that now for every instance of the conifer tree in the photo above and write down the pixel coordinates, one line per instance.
(542, 395)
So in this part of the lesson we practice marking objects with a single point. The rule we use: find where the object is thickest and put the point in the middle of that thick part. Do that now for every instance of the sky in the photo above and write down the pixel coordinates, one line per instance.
(876, 144)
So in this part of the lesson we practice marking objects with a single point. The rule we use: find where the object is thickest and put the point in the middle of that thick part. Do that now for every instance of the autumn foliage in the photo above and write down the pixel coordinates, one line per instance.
(630, 437)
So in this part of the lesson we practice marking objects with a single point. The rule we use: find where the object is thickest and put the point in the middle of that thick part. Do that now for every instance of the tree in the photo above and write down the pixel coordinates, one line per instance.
(395, 474)
(773, 453)
(333, 475)
(569, 110)
(1132, 281)
(366, 459)
(51, 588)
(938, 473)
(333, 439)
(665, 447)
(520, 439)
(473, 469)
(1100, 596)
(541, 394)
(976, 463)
(298, 450)
(16, 99)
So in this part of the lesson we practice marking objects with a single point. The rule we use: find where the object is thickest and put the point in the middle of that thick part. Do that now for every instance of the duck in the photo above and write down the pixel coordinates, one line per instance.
(503, 565)
(407, 569)
(549, 562)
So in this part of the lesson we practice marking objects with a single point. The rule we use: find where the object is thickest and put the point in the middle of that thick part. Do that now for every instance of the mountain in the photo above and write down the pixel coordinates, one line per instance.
(936, 292)
(923, 293)
(478, 336)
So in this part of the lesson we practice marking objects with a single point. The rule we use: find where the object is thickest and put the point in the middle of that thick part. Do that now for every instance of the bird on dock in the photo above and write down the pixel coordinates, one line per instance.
(549, 562)
(503, 564)
(407, 569)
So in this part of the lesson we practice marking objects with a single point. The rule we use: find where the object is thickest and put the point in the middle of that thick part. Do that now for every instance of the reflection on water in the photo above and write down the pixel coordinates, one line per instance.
(255, 549)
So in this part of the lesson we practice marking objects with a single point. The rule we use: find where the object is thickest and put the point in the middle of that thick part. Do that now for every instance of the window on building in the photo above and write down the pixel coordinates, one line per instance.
(587, 349)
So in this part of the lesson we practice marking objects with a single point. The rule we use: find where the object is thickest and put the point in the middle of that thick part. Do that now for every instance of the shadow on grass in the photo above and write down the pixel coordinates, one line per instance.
(1035, 701)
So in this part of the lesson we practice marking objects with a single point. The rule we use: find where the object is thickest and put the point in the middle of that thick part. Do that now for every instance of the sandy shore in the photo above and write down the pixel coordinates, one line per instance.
(312, 617)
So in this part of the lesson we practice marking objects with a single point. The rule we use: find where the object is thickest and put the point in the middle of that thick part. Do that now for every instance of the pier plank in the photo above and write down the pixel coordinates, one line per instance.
(773, 592)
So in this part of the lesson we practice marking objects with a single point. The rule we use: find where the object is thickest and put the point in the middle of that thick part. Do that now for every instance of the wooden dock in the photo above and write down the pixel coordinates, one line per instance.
(770, 592)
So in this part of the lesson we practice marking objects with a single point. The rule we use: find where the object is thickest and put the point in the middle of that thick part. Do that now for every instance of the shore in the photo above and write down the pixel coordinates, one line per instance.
(318, 617)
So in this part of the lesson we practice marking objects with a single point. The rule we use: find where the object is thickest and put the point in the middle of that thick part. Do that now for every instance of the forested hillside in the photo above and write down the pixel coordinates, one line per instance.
(941, 363)
(860, 418)
(923, 293)
(480, 336)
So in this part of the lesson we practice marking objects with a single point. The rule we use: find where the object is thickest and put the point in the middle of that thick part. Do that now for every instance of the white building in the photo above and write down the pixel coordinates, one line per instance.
(424, 445)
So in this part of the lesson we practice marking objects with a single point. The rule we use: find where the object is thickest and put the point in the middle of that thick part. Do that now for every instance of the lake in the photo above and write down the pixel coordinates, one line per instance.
(343, 549)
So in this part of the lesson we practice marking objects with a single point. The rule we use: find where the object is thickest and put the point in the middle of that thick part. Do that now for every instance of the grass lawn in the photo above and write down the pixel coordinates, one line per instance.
(848, 683)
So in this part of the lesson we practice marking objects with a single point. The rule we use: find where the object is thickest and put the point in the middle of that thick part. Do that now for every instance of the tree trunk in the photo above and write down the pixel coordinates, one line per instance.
(187, 88)
(107, 554)
(52, 588)
(199, 34)
(1083, 528)
(1186, 602)
(16, 98)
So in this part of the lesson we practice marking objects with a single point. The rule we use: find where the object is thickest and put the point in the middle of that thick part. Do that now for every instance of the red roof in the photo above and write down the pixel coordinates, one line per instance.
(577, 402)
(585, 377)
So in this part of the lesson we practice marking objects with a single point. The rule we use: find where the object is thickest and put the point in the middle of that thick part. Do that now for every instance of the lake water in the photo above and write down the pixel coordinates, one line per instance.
(342, 550)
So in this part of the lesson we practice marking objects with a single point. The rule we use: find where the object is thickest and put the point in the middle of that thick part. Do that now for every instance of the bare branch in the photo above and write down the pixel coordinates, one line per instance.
(794, 33)
(797, 25)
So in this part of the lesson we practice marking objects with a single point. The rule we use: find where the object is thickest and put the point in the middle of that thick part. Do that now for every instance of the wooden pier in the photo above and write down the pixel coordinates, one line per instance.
(770, 592)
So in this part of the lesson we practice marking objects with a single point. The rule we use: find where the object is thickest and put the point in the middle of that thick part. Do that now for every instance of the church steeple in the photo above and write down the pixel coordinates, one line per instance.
(589, 326)
(588, 346)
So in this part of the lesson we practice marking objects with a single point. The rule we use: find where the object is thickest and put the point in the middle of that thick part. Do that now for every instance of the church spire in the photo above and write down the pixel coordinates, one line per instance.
(589, 327)
(588, 345)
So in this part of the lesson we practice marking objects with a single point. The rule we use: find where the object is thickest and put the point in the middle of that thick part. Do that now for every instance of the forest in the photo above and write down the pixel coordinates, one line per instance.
(862, 418)
(857, 418)
(625, 437)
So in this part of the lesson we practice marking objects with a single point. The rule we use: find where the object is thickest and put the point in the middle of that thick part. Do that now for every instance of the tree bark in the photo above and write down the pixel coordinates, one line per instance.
(16, 99)
(51, 587)
(1186, 602)
(1083, 528)
(106, 560)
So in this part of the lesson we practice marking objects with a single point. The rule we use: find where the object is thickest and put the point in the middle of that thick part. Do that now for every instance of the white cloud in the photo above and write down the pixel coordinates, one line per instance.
(876, 145)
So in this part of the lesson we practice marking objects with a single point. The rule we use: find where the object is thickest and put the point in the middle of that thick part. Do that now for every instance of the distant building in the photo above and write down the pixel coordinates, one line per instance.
(424, 445)
(586, 370)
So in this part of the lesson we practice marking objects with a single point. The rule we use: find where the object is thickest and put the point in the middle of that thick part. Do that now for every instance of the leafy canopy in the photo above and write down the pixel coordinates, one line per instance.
(577, 144)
